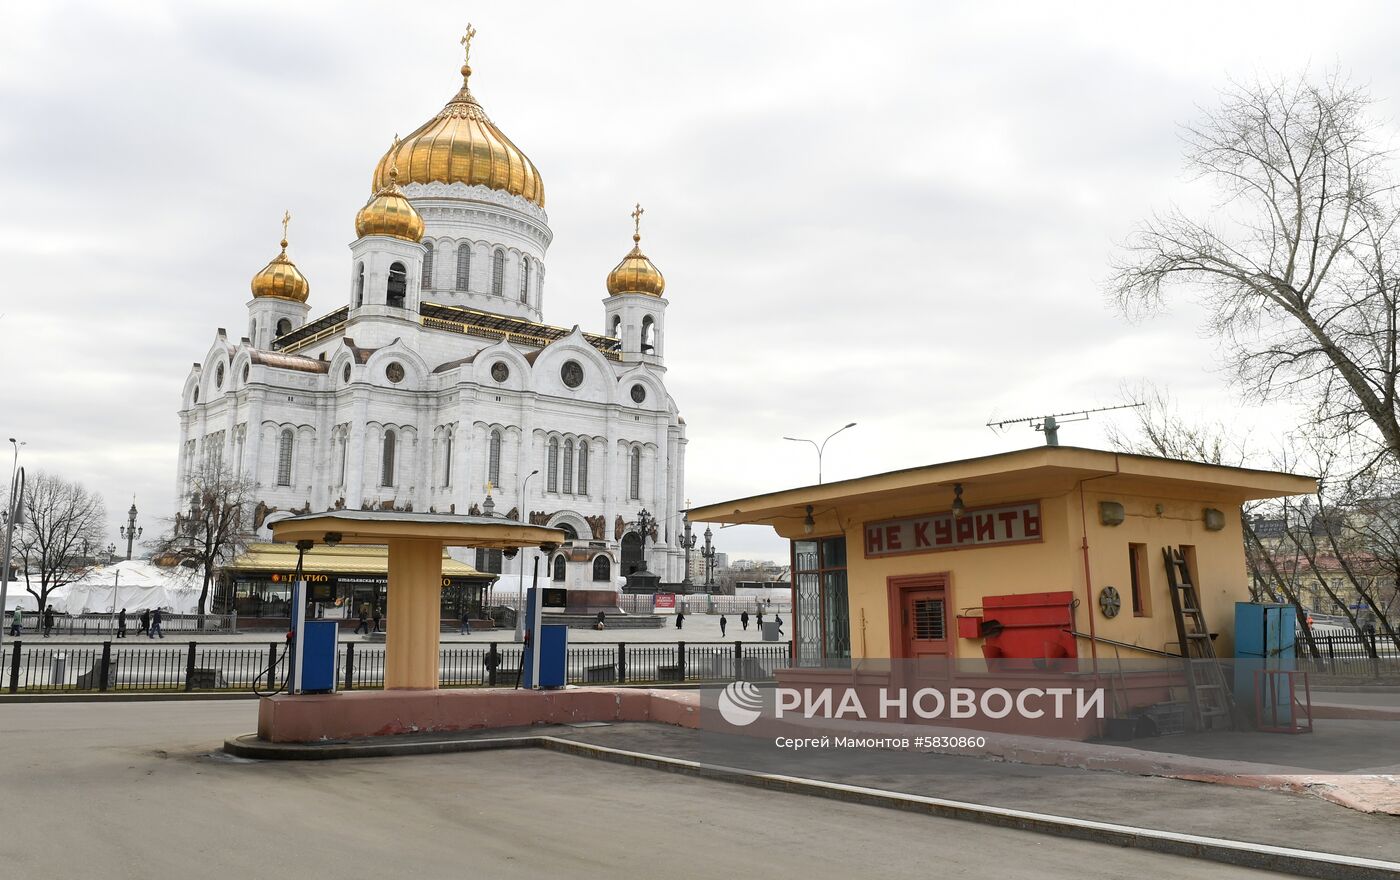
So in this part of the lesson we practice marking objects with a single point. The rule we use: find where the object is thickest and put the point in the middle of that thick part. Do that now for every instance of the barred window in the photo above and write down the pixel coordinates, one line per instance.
(386, 471)
(284, 458)
(498, 272)
(583, 467)
(552, 465)
(568, 467)
(464, 266)
(602, 568)
(559, 568)
(427, 265)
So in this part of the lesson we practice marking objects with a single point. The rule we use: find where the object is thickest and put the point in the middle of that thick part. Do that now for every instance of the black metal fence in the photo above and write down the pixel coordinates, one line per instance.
(1350, 654)
(189, 666)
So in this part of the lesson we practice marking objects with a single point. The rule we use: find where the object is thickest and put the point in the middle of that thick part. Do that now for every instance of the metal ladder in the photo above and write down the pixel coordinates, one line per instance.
(1212, 705)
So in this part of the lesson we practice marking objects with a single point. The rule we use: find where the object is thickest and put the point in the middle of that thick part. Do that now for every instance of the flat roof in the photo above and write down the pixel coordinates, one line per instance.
(1040, 471)
(352, 560)
(383, 526)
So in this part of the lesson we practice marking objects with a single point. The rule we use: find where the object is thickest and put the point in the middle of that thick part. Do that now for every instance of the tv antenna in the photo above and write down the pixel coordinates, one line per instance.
(1050, 424)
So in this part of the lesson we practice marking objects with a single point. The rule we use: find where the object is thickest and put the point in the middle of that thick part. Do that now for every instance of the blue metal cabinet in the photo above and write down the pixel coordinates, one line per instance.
(1265, 637)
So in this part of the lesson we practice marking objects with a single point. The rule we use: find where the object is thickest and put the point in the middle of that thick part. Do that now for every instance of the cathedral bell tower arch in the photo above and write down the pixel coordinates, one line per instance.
(635, 310)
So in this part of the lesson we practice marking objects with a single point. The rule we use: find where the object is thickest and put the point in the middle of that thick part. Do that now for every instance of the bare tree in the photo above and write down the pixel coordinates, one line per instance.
(1298, 265)
(63, 522)
(216, 528)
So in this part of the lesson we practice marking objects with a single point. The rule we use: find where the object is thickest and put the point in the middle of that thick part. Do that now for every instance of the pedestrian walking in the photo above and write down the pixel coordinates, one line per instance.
(680, 618)
(121, 624)
(466, 628)
(48, 620)
(760, 620)
(145, 621)
(364, 619)
(744, 619)
(16, 622)
(155, 625)
(378, 616)
(779, 621)
(723, 622)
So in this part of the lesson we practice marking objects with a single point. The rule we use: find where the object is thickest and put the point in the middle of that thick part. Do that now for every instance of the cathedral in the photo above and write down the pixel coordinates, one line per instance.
(433, 383)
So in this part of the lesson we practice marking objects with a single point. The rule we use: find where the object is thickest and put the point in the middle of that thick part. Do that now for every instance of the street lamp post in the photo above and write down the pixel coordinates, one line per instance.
(130, 532)
(645, 522)
(820, 448)
(13, 513)
(688, 543)
(707, 553)
(520, 592)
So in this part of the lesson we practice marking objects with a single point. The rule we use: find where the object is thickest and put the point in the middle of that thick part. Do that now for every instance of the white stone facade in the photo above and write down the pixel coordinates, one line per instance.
(461, 398)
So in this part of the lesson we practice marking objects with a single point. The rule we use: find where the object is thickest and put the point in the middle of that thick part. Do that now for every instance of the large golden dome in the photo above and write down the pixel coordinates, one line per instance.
(636, 273)
(281, 278)
(462, 145)
(388, 213)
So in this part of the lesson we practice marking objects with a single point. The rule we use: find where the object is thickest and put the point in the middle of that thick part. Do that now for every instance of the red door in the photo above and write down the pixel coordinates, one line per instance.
(920, 641)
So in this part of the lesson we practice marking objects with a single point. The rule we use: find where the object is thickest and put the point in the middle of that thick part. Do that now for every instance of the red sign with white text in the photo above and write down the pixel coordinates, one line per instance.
(984, 527)
(663, 603)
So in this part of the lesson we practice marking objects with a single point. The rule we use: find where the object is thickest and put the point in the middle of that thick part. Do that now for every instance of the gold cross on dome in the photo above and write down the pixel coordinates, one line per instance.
(637, 219)
(286, 218)
(466, 42)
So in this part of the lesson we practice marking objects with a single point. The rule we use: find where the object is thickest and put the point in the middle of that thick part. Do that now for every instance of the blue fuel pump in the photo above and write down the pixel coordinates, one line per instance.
(313, 648)
(548, 646)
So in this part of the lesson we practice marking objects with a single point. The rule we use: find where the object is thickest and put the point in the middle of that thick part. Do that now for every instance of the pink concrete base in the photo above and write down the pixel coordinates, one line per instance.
(305, 718)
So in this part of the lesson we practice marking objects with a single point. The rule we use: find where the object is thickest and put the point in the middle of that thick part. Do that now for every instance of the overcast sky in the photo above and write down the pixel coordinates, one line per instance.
(900, 215)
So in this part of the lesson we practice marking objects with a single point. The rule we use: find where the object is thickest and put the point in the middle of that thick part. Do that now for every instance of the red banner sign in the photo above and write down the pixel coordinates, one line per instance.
(987, 526)
(663, 603)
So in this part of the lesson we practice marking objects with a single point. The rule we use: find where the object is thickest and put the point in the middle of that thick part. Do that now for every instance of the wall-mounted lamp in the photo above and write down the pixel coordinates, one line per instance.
(958, 507)
(808, 524)
(332, 538)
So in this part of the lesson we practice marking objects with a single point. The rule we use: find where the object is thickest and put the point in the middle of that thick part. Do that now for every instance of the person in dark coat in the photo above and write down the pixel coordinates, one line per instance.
(378, 616)
(744, 620)
(155, 625)
(680, 618)
(48, 620)
(779, 621)
(145, 621)
(723, 622)
(760, 620)
(364, 619)
(121, 624)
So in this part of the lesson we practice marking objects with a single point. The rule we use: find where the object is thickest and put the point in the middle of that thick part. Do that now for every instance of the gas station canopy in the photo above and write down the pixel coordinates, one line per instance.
(385, 526)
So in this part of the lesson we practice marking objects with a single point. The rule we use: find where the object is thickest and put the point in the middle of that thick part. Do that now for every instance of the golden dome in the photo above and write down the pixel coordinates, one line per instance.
(462, 145)
(388, 213)
(281, 278)
(636, 273)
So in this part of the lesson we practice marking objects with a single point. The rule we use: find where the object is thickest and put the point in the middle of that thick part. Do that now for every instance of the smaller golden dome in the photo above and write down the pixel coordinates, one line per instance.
(281, 277)
(636, 273)
(388, 213)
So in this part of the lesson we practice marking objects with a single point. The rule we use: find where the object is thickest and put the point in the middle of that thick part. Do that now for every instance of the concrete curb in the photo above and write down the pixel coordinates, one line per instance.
(1296, 862)
(125, 696)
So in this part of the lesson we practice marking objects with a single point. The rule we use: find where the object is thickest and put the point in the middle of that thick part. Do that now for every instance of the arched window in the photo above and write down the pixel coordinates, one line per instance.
(602, 568)
(284, 458)
(464, 266)
(284, 327)
(386, 469)
(498, 272)
(617, 327)
(648, 336)
(427, 265)
(569, 533)
(447, 459)
(559, 568)
(524, 279)
(398, 285)
(360, 286)
(634, 485)
(583, 467)
(569, 467)
(488, 561)
(493, 460)
(552, 466)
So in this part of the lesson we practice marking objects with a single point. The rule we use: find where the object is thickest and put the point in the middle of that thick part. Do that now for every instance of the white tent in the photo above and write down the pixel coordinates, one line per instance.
(132, 584)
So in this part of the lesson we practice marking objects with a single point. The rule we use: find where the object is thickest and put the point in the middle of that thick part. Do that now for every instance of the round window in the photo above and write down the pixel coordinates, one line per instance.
(500, 371)
(571, 373)
(394, 371)
(345, 374)
(219, 377)
(639, 393)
